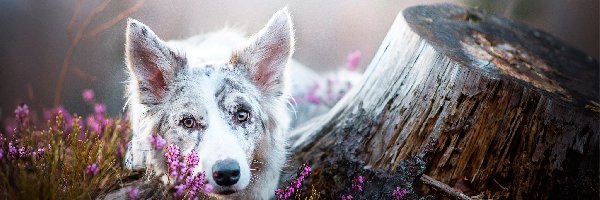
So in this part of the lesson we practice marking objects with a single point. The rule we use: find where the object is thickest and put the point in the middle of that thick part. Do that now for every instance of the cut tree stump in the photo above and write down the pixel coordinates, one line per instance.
(507, 105)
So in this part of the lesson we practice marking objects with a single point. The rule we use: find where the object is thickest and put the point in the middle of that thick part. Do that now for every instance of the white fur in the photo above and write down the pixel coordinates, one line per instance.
(156, 103)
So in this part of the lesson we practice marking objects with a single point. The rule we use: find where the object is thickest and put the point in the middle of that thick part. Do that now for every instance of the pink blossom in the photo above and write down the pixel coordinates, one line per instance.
(311, 96)
(347, 197)
(22, 115)
(93, 124)
(353, 60)
(133, 193)
(399, 193)
(92, 169)
(41, 151)
(22, 111)
(157, 141)
(22, 152)
(179, 190)
(100, 108)
(172, 156)
(184, 172)
(12, 150)
(191, 161)
(88, 95)
(288, 191)
(357, 183)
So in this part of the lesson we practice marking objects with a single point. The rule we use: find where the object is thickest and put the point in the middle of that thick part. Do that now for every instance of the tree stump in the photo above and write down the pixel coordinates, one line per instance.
(507, 104)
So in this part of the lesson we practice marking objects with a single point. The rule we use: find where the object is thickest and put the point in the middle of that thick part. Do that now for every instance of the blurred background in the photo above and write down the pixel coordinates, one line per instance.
(35, 39)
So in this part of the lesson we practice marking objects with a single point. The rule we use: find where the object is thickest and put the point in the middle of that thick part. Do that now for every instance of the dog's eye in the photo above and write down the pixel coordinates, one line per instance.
(242, 115)
(188, 122)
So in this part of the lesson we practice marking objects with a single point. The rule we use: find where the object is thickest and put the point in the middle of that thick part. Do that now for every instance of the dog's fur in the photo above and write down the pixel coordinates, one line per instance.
(209, 78)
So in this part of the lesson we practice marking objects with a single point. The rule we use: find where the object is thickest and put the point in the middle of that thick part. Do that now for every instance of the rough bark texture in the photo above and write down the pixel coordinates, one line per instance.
(506, 104)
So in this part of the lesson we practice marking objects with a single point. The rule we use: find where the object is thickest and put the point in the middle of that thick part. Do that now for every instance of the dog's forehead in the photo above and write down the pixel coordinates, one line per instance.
(213, 81)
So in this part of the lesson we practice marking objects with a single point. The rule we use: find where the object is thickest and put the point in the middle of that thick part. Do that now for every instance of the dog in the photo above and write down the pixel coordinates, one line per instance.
(222, 95)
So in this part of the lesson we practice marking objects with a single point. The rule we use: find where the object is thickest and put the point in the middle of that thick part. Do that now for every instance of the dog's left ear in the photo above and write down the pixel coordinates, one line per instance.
(265, 57)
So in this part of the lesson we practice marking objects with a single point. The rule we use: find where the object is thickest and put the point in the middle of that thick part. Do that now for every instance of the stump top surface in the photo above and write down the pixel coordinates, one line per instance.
(501, 48)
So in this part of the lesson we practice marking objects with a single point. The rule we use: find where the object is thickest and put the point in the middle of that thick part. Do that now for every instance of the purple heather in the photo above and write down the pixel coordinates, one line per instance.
(357, 184)
(353, 59)
(12, 150)
(92, 169)
(133, 193)
(22, 111)
(287, 192)
(399, 193)
(99, 108)
(347, 197)
(22, 152)
(157, 141)
(88, 95)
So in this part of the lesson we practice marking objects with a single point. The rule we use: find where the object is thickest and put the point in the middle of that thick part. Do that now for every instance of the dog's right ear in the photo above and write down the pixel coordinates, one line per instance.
(151, 63)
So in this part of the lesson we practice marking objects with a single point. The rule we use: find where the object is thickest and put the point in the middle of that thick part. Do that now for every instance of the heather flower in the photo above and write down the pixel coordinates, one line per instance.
(92, 169)
(357, 184)
(88, 95)
(12, 150)
(133, 193)
(399, 193)
(157, 141)
(93, 124)
(22, 114)
(1, 154)
(311, 96)
(100, 109)
(181, 171)
(179, 190)
(60, 110)
(22, 111)
(353, 60)
(195, 183)
(40, 151)
(295, 184)
(172, 156)
(191, 161)
(346, 197)
(22, 152)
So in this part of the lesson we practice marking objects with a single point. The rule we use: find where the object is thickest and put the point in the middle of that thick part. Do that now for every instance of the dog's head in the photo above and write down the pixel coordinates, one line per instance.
(227, 112)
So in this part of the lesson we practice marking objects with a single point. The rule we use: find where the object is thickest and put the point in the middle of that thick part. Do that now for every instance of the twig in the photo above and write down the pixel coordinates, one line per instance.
(443, 187)
(73, 20)
(82, 74)
(67, 60)
(81, 35)
(114, 20)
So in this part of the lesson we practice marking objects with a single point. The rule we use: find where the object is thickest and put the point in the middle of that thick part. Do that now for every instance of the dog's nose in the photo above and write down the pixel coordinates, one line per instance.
(226, 172)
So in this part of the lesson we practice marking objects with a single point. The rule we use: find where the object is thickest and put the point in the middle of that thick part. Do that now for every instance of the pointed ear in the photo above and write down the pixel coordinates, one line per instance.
(267, 54)
(151, 63)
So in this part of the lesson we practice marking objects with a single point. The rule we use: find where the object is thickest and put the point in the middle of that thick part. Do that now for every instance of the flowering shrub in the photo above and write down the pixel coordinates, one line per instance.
(187, 184)
(62, 159)
(294, 186)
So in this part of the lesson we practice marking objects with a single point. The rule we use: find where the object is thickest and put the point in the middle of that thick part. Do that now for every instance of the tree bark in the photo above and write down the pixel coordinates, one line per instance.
(507, 104)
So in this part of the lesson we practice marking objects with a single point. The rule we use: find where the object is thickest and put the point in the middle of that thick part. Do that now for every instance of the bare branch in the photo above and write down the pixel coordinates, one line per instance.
(73, 20)
(80, 36)
(114, 20)
(443, 187)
